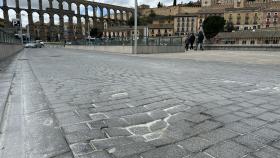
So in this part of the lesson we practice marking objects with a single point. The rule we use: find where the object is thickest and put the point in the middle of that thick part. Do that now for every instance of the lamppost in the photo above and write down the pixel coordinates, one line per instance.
(135, 27)
(21, 32)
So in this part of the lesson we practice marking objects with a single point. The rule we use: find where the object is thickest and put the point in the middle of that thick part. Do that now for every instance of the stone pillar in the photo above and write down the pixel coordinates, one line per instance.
(30, 19)
(61, 21)
(94, 11)
(40, 5)
(121, 15)
(101, 14)
(108, 14)
(86, 21)
(70, 28)
(127, 16)
(17, 9)
(52, 29)
(43, 35)
(6, 14)
(79, 27)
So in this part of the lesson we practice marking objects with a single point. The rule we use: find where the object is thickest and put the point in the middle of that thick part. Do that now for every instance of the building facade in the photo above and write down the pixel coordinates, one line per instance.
(185, 23)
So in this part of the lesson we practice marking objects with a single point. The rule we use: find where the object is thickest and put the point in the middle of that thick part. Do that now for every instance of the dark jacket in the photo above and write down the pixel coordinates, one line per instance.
(191, 39)
(187, 40)
(200, 37)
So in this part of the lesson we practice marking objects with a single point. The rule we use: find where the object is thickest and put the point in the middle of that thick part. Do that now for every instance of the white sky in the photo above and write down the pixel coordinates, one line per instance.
(126, 3)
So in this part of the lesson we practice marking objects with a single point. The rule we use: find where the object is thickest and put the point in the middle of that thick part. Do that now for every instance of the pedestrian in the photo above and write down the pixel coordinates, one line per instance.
(187, 43)
(191, 40)
(200, 39)
(196, 41)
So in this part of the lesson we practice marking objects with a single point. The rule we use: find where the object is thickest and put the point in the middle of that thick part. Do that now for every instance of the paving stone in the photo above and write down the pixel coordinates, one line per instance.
(140, 118)
(201, 155)
(81, 148)
(116, 122)
(276, 144)
(100, 144)
(243, 114)
(205, 126)
(177, 109)
(195, 144)
(254, 122)
(218, 135)
(97, 124)
(126, 150)
(252, 141)
(257, 101)
(217, 111)
(267, 152)
(158, 114)
(228, 150)
(170, 151)
(96, 154)
(157, 125)
(228, 118)
(255, 110)
(197, 118)
(159, 140)
(84, 135)
(98, 116)
(275, 126)
(177, 117)
(139, 130)
(117, 131)
(269, 116)
(267, 133)
(65, 155)
(75, 127)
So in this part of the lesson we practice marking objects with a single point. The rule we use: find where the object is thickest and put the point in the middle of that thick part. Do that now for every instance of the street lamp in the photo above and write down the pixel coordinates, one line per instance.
(135, 27)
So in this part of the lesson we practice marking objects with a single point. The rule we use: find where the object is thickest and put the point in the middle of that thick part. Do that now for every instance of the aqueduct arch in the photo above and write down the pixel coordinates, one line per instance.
(47, 11)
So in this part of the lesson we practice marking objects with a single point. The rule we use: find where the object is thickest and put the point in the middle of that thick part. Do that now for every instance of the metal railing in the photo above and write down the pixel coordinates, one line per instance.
(6, 37)
(129, 41)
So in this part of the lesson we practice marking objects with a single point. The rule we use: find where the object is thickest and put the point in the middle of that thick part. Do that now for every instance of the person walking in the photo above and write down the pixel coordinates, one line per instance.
(200, 39)
(191, 40)
(187, 43)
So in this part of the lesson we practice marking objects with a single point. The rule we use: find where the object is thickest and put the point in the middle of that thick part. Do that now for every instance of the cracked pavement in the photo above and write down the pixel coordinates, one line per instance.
(73, 103)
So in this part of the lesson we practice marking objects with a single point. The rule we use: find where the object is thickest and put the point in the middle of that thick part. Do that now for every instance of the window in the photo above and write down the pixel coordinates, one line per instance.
(244, 42)
(275, 41)
(252, 42)
(254, 27)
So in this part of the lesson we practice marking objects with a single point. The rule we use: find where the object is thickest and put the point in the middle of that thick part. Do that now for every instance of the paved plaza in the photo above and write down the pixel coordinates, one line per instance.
(61, 103)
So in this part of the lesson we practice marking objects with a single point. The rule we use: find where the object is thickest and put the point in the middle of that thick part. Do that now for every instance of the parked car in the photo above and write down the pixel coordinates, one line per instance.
(33, 45)
(40, 43)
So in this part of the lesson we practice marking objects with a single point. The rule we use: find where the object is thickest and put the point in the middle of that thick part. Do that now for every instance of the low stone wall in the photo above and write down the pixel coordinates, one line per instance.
(257, 47)
(129, 49)
(7, 50)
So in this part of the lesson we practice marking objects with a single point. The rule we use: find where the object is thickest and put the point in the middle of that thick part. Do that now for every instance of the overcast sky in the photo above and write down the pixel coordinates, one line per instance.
(35, 5)
(130, 3)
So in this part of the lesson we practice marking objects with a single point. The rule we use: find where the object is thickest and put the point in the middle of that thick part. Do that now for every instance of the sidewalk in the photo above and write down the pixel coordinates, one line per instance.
(248, 57)
(7, 71)
(29, 128)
